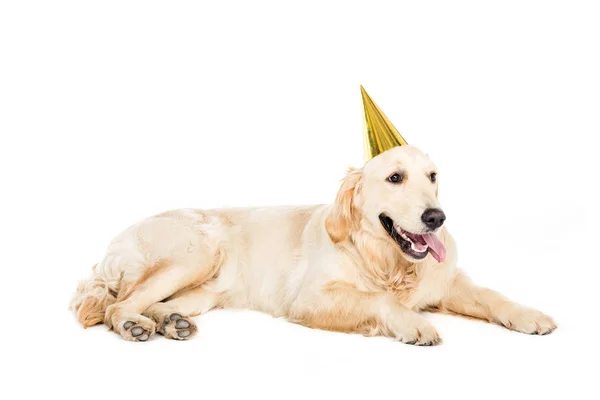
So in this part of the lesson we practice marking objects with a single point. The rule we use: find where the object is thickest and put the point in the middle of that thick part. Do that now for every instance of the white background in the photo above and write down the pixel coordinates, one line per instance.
(112, 111)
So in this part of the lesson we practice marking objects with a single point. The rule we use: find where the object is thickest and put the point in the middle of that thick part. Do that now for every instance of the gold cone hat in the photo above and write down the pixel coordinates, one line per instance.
(380, 134)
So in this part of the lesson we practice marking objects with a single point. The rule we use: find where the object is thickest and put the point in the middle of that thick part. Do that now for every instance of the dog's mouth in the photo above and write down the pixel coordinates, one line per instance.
(415, 245)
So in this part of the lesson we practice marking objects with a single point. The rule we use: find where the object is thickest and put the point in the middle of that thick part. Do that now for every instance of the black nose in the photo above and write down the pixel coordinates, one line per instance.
(433, 218)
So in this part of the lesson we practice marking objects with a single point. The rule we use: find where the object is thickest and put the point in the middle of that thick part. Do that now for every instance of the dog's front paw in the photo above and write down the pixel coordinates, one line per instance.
(527, 320)
(417, 331)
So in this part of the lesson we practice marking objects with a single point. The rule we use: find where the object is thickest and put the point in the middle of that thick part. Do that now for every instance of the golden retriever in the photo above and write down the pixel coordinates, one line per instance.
(366, 264)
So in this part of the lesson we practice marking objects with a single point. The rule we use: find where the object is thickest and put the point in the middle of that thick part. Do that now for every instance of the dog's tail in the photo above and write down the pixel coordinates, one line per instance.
(93, 296)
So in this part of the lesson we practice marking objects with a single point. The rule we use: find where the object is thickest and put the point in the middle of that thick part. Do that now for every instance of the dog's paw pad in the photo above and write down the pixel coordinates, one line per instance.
(182, 323)
(184, 333)
(176, 326)
(136, 332)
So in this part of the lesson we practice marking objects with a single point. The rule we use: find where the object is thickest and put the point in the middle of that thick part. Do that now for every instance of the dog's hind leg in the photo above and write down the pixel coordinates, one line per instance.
(158, 282)
(173, 316)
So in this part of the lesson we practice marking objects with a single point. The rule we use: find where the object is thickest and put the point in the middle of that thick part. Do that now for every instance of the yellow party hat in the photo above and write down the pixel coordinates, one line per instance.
(380, 134)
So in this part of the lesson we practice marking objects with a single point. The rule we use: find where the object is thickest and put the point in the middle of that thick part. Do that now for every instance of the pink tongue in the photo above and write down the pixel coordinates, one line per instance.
(436, 247)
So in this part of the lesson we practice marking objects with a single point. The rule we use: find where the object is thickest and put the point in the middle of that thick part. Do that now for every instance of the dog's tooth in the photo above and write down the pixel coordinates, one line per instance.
(402, 234)
(412, 246)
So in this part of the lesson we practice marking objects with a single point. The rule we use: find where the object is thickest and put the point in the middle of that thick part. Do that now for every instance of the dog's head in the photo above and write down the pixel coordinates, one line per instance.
(394, 196)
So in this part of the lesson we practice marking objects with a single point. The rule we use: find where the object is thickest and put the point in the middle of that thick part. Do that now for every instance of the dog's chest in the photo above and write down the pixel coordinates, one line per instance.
(405, 287)
(415, 288)
(403, 284)
(429, 288)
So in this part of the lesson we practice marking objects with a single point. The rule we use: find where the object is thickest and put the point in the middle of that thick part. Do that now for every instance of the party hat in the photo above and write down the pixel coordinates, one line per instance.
(380, 134)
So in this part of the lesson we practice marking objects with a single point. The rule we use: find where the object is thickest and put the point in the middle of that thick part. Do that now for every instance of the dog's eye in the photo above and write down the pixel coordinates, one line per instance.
(433, 177)
(396, 178)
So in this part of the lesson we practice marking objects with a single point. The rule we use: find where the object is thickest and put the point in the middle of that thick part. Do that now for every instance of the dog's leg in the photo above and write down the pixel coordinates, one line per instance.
(157, 283)
(173, 316)
(467, 299)
(342, 307)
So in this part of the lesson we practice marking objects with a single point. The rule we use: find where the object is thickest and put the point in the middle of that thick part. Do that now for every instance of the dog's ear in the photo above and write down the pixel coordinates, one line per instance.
(343, 213)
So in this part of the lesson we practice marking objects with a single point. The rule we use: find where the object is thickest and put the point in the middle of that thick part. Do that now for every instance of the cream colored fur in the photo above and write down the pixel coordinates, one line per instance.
(328, 266)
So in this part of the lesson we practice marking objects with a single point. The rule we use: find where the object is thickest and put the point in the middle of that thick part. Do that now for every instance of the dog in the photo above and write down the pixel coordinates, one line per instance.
(366, 264)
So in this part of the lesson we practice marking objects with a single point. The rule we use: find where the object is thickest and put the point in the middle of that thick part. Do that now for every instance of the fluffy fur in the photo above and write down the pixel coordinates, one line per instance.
(330, 267)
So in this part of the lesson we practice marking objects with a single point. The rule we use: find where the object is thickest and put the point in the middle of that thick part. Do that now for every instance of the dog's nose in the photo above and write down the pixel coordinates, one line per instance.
(433, 218)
